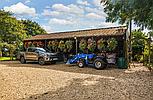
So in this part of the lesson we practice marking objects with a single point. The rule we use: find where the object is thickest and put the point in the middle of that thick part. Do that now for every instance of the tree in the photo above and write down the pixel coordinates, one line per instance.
(32, 28)
(138, 44)
(125, 10)
(11, 30)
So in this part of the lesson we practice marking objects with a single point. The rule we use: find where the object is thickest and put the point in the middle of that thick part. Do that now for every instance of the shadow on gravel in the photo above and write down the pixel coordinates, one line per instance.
(102, 89)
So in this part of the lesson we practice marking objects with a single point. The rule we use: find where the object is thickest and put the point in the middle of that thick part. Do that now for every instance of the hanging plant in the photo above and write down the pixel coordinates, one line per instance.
(30, 44)
(40, 44)
(83, 45)
(69, 45)
(91, 45)
(49, 45)
(101, 45)
(112, 44)
(35, 43)
(55, 45)
(61, 45)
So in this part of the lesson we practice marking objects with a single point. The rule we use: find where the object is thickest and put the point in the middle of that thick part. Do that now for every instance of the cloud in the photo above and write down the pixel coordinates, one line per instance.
(81, 2)
(47, 28)
(94, 16)
(99, 11)
(97, 2)
(50, 13)
(47, 7)
(21, 9)
(73, 9)
(27, 1)
(60, 21)
(60, 7)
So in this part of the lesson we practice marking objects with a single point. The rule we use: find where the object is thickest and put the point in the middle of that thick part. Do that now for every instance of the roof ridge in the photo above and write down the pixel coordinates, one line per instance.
(84, 30)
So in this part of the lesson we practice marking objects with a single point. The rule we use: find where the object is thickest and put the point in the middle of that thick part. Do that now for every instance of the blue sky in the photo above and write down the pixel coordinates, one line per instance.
(59, 15)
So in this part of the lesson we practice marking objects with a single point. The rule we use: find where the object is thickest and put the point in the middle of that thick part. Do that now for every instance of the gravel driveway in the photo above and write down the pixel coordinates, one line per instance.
(63, 82)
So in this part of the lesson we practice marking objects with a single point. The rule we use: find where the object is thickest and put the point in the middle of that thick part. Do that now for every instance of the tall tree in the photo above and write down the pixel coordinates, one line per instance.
(32, 28)
(11, 31)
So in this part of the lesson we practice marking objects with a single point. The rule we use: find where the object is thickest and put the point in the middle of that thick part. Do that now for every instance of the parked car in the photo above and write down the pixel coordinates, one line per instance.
(37, 54)
(82, 60)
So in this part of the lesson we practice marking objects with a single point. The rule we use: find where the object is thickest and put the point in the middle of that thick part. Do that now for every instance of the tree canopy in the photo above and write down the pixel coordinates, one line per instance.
(13, 31)
(32, 28)
(140, 11)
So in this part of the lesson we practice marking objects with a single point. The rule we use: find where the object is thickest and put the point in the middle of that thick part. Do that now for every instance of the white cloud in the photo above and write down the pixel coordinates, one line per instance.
(47, 7)
(27, 1)
(47, 28)
(60, 21)
(50, 13)
(95, 10)
(21, 9)
(81, 2)
(94, 16)
(97, 2)
(73, 9)
(60, 7)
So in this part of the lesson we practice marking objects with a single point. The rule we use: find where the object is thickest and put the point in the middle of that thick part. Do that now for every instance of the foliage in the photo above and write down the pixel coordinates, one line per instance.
(91, 45)
(11, 30)
(55, 45)
(61, 45)
(126, 10)
(112, 44)
(138, 44)
(69, 45)
(101, 45)
(49, 45)
(83, 45)
(32, 28)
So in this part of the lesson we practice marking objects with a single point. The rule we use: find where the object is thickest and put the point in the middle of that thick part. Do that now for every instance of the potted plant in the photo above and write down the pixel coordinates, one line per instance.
(49, 45)
(55, 45)
(101, 45)
(69, 45)
(91, 45)
(112, 44)
(61, 45)
(83, 45)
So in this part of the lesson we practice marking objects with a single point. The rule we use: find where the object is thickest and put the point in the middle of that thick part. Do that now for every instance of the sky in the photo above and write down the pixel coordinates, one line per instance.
(59, 15)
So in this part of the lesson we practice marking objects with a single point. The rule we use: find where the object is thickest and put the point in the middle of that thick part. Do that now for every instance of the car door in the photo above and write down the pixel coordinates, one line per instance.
(31, 54)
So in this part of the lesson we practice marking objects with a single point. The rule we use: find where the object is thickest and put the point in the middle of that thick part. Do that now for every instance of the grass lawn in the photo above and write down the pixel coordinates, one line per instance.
(6, 58)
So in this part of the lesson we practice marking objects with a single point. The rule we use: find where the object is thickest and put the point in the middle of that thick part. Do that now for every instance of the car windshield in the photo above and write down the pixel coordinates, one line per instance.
(40, 50)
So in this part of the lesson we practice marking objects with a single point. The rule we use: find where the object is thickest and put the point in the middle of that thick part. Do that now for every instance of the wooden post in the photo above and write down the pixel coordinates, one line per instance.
(130, 40)
(76, 43)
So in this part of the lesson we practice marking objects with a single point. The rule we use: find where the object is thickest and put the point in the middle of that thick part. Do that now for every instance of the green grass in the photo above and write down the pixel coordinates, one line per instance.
(6, 58)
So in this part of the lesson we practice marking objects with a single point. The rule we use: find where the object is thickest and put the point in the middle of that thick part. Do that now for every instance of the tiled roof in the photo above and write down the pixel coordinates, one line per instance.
(113, 31)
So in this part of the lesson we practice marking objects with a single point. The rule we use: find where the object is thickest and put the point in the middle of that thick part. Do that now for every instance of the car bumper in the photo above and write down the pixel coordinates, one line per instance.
(51, 59)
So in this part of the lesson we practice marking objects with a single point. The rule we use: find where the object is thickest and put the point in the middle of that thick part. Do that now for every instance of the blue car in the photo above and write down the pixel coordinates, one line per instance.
(82, 60)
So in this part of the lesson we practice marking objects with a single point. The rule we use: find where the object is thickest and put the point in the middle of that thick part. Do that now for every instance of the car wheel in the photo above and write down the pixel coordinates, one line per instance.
(81, 64)
(22, 60)
(41, 61)
(99, 64)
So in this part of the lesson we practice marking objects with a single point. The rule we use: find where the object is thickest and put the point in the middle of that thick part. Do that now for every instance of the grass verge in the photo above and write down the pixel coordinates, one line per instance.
(6, 58)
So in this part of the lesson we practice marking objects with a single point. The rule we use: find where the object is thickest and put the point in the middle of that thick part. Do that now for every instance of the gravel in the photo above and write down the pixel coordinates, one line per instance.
(63, 82)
